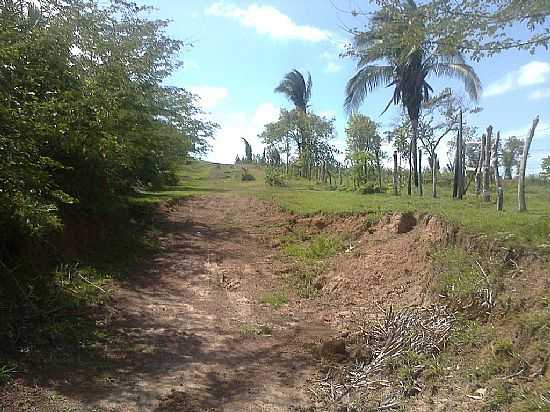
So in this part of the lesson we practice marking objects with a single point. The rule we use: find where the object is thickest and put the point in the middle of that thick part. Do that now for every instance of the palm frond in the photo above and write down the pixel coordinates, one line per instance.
(294, 87)
(463, 72)
(365, 81)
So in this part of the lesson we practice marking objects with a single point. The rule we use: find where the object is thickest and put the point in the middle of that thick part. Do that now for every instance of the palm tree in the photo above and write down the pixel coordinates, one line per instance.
(296, 89)
(397, 51)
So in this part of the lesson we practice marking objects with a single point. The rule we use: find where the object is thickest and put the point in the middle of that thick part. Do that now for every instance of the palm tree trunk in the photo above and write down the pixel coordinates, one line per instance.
(420, 172)
(414, 151)
(434, 174)
(409, 186)
(395, 192)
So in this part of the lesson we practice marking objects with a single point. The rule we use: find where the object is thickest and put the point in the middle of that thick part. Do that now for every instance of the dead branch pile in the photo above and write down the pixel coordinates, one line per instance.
(423, 331)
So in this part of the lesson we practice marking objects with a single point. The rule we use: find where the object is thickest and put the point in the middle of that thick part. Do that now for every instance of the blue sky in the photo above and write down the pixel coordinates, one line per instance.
(242, 49)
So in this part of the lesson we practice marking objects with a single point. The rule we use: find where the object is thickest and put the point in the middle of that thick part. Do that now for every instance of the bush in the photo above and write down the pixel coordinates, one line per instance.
(274, 177)
(369, 189)
(247, 177)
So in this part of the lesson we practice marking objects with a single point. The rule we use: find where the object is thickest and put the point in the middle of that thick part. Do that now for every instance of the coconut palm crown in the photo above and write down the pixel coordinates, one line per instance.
(398, 52)
(296, 89)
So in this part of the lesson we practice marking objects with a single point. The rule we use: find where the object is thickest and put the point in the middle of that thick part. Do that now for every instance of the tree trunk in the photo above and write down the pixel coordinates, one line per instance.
(498, 180)
(379, 170)
(420, 172)
(457, 182)
(480, 164)
(395, 173)
(409, 185)
(487, 167)
(414, 151)
(522, 206)
(434, 174)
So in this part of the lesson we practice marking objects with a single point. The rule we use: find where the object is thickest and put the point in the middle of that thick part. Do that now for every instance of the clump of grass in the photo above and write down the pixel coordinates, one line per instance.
(536, 325)
(275, 299)
(318, 248)
(461, 280)
(248, 330)
(500, 396)
(6, 373)
(302, 282)
(469, 334)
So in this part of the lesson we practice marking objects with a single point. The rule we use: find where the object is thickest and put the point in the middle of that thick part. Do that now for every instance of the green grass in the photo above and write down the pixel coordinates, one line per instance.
(531, 228)
(275, 299)
(302, 197)
(6, 373)
(248, 330)
(319, 247)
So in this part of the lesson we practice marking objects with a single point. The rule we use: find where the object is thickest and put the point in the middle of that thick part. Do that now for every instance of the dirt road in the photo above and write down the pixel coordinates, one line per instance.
(194, 334)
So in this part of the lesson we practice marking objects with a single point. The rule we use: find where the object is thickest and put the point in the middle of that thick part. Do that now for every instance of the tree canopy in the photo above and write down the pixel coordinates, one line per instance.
(84, 113)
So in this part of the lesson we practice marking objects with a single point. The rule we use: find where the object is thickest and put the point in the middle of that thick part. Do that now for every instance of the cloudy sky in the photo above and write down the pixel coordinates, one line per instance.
(242, 49)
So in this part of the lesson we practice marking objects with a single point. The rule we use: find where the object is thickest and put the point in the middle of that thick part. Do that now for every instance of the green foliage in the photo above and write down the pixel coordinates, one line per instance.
(85, 121)
(308, 137)
(275, 299)
(247, 151)
(248, 330)
(6, 372)
(85, 115)
(511, 152)
(275, 177)
(545, 168)
(296, 89)
(463, 284)
(319, 247)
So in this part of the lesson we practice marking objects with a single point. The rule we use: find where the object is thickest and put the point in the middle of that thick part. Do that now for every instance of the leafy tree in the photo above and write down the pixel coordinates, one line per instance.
(85, 117)
(511, 152)
(247, 150)
(307, 136)
(397, 50)
(545, 168)
(484, 28)
(363, 147)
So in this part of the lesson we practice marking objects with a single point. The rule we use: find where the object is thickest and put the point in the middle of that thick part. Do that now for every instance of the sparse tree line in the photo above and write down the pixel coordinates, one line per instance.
(403, 46)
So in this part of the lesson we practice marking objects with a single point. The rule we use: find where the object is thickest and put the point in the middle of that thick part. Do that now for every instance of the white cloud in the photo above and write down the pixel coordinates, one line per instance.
(530, 74)
(540, 94)
(210, 96)
(533, 73)
(268, 20)
(333, 67)
(228, 144)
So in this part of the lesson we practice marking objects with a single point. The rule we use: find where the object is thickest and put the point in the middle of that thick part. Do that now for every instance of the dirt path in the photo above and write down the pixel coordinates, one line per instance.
(190, 317)
(191, 331)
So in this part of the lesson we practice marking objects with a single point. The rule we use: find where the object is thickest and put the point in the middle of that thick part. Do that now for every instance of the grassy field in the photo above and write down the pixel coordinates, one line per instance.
(305, 198)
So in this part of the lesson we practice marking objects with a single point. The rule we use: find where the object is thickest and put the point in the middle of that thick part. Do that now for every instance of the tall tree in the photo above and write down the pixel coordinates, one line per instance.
(398, 51)
(247, 150)
(363, 146)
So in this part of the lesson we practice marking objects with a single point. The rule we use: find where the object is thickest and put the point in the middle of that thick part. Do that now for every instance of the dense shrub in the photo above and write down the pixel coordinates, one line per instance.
(275, 177)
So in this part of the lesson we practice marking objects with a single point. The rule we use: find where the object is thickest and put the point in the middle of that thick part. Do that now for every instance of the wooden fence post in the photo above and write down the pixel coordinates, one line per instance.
(498, 180)
(487, 167)
(522, 206)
